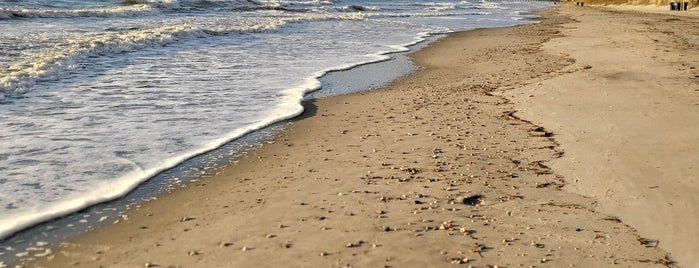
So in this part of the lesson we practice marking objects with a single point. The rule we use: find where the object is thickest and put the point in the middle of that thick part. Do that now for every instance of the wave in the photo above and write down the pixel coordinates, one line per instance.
(120, 11)
(135, 8)
(437, 5)
(356, 8)
(489, 5)
(20, 77)
(289, 107)
(194, 4)
(56, 63)
(429, 14)
(154, 3)
(234, 5)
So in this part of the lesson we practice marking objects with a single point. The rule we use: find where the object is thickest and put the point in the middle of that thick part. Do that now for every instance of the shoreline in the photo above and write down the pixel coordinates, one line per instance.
(123, 183)
(104, 213)
(92, 216)
(126, 187)
(385, 189)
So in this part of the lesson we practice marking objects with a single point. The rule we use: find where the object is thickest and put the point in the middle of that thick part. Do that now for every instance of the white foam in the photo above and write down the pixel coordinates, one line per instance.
(289, 107)
(127, 182)
(439, 6)
(21, 76)
(55, 64)
(490, 5)
(156, 3)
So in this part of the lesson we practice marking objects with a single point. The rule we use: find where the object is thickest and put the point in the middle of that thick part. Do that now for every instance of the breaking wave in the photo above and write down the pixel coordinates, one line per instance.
(120, 11)
(56, 63)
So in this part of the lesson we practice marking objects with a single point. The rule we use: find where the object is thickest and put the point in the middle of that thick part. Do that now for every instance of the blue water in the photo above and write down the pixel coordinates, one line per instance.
(97, 96)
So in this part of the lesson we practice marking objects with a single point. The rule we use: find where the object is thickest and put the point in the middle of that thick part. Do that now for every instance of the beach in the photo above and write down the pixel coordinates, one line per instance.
(498, 152)
(628, 123)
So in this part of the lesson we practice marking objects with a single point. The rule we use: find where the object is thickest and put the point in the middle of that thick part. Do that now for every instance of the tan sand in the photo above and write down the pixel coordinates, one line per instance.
(627, 118)
(644, 9)
(654, 6)
(432, 171)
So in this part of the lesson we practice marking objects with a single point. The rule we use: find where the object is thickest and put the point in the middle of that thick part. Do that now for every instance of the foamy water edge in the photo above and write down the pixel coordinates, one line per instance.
(289, 108)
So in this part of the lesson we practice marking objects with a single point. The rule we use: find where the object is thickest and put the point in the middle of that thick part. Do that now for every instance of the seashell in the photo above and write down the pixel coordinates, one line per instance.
(456, 260)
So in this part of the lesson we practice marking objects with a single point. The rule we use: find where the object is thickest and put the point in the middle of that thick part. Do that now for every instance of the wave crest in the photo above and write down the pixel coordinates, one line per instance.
(54, 64)
(154, 3)
(21, 76)
(121, 11)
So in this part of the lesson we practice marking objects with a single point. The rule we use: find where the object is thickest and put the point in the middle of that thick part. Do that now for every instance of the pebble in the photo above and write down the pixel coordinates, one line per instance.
(22, 254)
(149, 264)
(458, 260)
(535, 244)
(225, 244)
(186, 218)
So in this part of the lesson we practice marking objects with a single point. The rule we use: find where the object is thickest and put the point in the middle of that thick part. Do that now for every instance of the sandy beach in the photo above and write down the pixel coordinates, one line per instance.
(628, 123)
(566, 143)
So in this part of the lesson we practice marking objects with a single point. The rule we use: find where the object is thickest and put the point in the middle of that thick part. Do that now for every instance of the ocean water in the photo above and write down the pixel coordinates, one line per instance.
(98, 96)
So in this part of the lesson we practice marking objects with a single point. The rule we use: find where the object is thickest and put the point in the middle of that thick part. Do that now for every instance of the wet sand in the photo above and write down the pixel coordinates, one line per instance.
(434, 170)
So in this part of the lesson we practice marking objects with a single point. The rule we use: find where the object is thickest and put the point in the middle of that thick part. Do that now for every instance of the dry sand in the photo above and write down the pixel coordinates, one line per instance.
(644, 9)
(431, 171)
(654, 6)
(629, 121)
